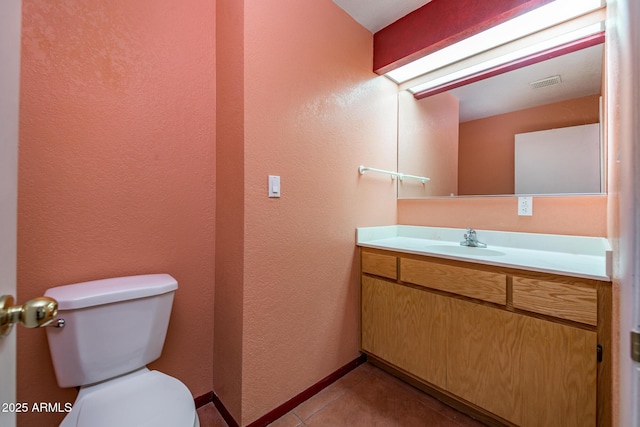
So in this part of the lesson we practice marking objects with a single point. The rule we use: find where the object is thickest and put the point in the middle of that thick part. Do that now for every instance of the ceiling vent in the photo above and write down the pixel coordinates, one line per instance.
(548, 81)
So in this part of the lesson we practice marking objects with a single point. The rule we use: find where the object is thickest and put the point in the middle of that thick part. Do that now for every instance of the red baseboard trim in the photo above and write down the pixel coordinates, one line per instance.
(306, 394)
(293, 402)
(200, 401)
(226, 415)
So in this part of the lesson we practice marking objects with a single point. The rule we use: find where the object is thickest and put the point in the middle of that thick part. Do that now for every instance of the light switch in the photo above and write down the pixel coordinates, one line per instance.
(274, 186)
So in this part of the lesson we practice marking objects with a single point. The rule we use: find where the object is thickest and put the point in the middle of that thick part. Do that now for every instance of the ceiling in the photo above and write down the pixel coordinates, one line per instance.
(580, 71)
(375, 15)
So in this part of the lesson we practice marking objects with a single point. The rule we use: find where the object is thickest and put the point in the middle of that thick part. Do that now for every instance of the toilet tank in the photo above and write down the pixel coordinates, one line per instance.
(112, 326)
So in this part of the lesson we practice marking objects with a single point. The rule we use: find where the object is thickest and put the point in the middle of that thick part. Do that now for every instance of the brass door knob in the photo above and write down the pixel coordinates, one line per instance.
(35, 313)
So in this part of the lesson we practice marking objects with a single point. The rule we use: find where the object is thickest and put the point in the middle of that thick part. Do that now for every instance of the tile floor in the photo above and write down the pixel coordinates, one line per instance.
(366, 396)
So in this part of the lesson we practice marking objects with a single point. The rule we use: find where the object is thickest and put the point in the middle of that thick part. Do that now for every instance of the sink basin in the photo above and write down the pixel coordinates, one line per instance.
(463, 250)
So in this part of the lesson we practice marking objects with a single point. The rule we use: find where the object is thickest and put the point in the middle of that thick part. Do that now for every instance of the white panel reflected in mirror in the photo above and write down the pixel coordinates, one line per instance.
(558, 161)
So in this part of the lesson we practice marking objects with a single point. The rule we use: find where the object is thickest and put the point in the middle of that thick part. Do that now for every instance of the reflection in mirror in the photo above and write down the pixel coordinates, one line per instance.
(487, 138)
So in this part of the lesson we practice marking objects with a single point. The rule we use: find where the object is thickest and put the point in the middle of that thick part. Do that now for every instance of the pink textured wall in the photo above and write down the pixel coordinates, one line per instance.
(581, 216)
(117, 168)
(428, 144)
(489, 142)
(230, 210)
(313, 112)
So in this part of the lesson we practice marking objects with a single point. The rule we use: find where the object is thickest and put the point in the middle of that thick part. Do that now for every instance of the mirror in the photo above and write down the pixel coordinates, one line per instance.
(532, 130)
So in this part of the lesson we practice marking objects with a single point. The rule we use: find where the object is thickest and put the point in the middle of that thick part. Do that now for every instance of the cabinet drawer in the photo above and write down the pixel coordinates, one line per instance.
(573, 301)
(472, 283)
(380, 264)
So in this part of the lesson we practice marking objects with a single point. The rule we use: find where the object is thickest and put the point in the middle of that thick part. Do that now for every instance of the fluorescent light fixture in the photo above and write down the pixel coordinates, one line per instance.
(543, 17)
(518, 54)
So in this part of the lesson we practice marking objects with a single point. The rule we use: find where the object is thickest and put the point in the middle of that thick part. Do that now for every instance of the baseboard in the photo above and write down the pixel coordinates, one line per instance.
(294, 401)
(200, 401)
(226, 415)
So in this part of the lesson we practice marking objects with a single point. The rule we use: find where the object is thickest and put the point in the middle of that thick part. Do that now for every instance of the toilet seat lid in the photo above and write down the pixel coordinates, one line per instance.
(150, 399)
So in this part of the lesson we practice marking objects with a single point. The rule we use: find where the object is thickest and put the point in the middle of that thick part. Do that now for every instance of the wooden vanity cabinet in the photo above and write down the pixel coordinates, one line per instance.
(526, 370)
(558, 378)
(483, 358)
(507, 355)
(405, 327)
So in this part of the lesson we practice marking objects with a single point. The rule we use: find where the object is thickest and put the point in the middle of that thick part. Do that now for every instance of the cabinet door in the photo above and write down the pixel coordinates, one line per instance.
(483, 358)
(405, 327)
(532, 372)
(558, 375)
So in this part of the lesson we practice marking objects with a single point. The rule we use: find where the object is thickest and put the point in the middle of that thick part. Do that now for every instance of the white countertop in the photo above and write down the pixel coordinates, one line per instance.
(577, 256)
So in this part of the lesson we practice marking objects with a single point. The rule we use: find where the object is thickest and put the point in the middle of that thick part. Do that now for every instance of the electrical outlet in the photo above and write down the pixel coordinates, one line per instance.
(525, 206)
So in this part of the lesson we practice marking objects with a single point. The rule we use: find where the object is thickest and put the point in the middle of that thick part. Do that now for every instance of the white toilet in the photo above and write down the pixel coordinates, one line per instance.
(112, 329)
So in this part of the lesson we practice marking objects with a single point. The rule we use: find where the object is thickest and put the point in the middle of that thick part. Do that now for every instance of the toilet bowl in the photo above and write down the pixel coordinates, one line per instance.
(112, 329)
(142, 398)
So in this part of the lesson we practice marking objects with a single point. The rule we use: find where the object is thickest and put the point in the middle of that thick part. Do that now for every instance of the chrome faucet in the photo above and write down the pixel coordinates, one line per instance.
(471, 239)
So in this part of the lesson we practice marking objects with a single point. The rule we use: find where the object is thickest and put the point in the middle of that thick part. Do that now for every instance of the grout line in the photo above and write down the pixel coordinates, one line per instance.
(320, 408)
(346, 390)
(301, 423)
